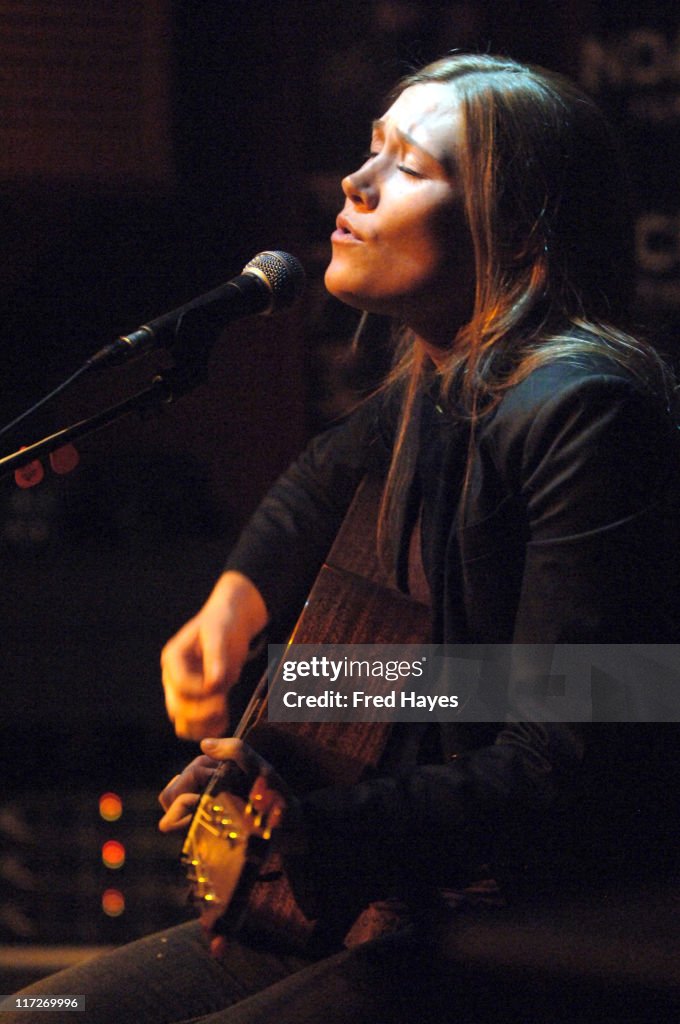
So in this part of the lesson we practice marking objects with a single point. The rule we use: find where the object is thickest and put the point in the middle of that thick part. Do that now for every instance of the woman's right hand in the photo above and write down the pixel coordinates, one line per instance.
(206, 656)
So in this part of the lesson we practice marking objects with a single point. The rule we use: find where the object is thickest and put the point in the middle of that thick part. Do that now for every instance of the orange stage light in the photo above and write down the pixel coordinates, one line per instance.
(110, 806)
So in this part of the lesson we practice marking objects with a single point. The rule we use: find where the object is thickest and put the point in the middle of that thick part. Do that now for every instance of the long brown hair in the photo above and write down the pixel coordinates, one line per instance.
(545, 206)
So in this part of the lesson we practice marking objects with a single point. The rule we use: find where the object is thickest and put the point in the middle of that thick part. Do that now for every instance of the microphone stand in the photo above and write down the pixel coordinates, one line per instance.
(191, 350)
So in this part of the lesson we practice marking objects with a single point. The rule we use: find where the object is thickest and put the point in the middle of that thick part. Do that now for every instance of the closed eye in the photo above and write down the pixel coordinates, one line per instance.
(372, 154)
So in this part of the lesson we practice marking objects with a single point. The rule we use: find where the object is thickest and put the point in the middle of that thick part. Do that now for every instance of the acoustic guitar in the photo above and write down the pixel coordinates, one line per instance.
(235, 873)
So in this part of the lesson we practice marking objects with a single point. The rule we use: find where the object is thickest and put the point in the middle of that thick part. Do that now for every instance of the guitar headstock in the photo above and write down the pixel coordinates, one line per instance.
(228, 842)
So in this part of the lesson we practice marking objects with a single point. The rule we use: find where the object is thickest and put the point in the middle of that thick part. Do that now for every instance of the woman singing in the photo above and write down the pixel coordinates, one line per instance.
(528, 452)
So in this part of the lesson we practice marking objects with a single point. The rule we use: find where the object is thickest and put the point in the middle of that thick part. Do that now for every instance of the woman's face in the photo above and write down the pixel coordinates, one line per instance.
(402, 246)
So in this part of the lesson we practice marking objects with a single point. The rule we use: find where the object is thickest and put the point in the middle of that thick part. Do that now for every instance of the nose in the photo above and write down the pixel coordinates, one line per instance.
(361, 189)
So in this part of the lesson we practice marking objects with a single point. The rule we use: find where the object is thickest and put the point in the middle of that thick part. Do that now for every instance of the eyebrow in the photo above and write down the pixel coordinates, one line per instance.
(379, 126)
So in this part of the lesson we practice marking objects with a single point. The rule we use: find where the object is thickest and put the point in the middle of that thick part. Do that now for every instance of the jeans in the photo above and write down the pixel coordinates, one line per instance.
(170, 977)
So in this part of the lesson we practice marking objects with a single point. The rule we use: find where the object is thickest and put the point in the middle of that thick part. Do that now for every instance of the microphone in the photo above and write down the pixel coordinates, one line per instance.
(272, 280)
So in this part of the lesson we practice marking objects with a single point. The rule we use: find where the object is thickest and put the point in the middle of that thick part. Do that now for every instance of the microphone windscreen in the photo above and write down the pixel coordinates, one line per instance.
(283, 274)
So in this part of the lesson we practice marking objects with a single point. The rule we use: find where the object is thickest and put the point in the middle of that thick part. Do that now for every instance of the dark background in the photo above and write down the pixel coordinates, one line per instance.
(151, 164)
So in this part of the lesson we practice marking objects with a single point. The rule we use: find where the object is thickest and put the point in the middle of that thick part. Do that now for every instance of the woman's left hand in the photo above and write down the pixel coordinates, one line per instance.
(182, 793)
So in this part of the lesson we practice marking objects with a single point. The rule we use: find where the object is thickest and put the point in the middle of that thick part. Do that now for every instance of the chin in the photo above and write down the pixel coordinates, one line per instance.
(337, 284)
(340, 285)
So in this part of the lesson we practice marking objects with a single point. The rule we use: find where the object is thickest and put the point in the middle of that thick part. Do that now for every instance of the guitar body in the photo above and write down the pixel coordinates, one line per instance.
(235, 877)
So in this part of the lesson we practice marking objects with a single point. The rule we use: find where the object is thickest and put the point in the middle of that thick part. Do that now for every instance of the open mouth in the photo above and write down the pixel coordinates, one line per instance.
(344, 231)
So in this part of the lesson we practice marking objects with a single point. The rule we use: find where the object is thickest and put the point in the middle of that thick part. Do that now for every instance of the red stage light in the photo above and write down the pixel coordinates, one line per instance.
(113, 854)
(113, 903)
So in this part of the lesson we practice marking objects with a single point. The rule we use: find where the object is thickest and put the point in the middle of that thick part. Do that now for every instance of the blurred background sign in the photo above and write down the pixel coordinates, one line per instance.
(84, 92)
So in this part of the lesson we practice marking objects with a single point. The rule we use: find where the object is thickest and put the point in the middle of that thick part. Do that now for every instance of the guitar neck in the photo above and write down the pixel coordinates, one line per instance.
(352, 602)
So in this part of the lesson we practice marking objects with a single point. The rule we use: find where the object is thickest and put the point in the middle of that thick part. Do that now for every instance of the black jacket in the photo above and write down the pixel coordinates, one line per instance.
(566, 532)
